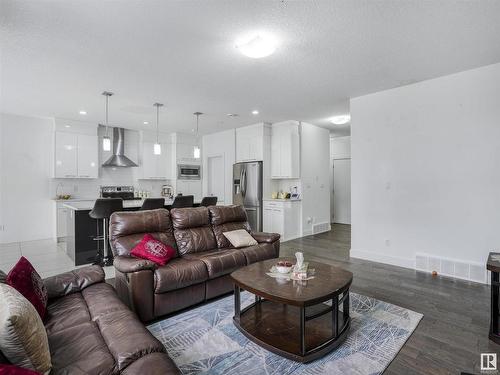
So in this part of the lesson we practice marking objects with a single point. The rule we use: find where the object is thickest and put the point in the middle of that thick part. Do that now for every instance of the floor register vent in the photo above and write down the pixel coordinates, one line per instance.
(451, 267)
(320, 228)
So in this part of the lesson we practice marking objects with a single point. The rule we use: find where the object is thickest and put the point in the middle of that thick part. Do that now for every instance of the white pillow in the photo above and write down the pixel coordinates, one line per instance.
(240, 238)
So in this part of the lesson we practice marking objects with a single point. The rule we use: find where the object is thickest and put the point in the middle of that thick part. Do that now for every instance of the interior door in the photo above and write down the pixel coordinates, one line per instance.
(215, 177)
(342, 191)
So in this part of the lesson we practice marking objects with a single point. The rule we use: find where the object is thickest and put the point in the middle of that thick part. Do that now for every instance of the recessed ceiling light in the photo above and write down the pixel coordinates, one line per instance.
(255, 112)
(146, 123)
(82, 112)
(340, 120)
(232, 114)
(67, 126)
(257, 45)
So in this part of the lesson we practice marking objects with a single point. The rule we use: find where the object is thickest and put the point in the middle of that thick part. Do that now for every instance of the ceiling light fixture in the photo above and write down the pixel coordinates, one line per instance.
(83, 113)
(106, 141)
(196, 149)
(255, 112)
(232, 115)
(146, 123)
(157, 146)
(257, 45)
(340, 120)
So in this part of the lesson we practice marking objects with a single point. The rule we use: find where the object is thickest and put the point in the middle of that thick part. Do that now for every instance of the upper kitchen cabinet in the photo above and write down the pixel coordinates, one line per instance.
(76, 155)
(250, 141)
(156, 167)
(285, 150)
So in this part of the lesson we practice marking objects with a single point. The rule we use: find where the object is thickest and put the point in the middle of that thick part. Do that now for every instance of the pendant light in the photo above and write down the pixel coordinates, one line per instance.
(157, 146)
(196, 149)
(106, 141)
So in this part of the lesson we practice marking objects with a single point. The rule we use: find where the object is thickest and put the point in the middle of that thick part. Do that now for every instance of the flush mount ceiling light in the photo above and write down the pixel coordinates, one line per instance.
(340, 120)
(157, 146)
(106, 141)
(257, 45)
(255, 112)
(146, 123)
(83, 113)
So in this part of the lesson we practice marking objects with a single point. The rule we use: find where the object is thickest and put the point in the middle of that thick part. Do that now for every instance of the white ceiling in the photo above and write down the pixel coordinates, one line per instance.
(57, 57)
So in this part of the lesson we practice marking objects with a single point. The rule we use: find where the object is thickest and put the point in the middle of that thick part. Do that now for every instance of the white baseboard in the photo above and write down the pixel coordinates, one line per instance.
(383, 258)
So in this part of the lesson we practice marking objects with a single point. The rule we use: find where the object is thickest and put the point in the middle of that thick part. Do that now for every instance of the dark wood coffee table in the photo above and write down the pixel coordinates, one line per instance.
(290, 318)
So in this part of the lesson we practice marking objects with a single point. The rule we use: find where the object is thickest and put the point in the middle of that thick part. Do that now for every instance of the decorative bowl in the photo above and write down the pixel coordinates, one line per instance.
(284, 266)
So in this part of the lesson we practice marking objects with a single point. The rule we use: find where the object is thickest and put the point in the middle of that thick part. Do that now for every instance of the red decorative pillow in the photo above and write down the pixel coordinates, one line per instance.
(24, 278)
(153, 250)
(14, 370)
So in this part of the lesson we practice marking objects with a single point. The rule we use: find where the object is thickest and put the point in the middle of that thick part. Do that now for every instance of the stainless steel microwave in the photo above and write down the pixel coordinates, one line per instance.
(188, 172)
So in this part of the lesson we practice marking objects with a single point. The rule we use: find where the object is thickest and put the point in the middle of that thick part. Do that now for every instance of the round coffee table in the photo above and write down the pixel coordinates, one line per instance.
(291, 318)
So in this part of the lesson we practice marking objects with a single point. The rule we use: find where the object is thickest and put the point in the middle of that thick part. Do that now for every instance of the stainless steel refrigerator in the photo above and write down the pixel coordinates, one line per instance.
(247, 191)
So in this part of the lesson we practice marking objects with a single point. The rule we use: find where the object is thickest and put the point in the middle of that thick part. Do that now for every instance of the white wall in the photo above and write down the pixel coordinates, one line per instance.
(426, 169)
(26, 160)
(315, 155)
(221, 143)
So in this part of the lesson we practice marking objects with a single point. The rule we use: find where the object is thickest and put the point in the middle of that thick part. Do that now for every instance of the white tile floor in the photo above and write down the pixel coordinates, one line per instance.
(48, 257)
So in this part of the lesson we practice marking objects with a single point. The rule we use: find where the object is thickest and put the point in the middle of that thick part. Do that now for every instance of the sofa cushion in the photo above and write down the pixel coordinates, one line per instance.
(258, 252)
(152, 364)
(73, 281)
(179, 273)
(24, 278)
(192, 230)
(80, 350)
(126, 337)
(227, 219)
(66, 312)
(220, 262)
(128, 228)
(23, 339)
(101, 299)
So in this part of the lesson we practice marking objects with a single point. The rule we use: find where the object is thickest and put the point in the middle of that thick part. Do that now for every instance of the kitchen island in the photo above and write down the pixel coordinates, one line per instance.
(82, 230)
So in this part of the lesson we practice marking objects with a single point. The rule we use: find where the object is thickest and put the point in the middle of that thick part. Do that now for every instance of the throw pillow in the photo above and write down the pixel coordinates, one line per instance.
(24, 278)
(23, 339)
(152, 249)
(3, 277)
(14, 370)
(240, 238)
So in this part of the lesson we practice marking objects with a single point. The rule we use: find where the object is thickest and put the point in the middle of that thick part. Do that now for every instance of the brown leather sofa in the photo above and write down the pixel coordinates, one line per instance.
(203, 262)
(91, 331)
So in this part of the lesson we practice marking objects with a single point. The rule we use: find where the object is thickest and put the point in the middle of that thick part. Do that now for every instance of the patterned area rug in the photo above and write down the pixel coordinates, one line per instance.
(205, 340)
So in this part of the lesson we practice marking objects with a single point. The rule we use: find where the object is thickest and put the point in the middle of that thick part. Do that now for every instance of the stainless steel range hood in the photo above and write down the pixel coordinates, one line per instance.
(118, 159)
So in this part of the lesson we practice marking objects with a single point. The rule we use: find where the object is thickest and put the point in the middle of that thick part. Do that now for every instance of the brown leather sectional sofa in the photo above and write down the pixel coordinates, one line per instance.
(204, 260)
(91, 331)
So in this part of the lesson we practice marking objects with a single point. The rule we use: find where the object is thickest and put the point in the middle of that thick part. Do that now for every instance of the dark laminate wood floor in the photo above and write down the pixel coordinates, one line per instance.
(454, 330)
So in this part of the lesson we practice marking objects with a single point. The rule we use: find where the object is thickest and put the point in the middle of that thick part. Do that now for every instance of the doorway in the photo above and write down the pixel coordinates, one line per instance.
(342, 191)
(215, 177)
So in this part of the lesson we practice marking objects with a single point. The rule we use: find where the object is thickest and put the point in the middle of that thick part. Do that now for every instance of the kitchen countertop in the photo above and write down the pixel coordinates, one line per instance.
(89, 204)
(281, 200)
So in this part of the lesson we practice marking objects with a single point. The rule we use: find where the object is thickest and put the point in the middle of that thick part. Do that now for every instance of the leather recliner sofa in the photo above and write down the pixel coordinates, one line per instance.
(91, 331)
(203, 262)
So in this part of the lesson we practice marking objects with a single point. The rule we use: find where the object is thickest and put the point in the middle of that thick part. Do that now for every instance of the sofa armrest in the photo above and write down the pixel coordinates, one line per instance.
(262, 237)
(126, 264)
(73, 281)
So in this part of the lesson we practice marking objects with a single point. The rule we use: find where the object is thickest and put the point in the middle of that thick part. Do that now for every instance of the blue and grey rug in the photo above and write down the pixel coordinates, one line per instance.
(205, 340)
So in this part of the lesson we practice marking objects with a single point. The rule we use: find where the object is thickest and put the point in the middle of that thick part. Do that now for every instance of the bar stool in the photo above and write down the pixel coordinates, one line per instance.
(182, 201)
(208, 201)
(103, 208)
(152, 203)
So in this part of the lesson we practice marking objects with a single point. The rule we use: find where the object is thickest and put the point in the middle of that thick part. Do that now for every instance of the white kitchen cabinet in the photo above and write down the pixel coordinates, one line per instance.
(285, 150)
(87, 156)
(66, 165)
(189, 187)
(283, 217)
(156, 167)
(76, 156)
(250, 143)
(62, 215)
